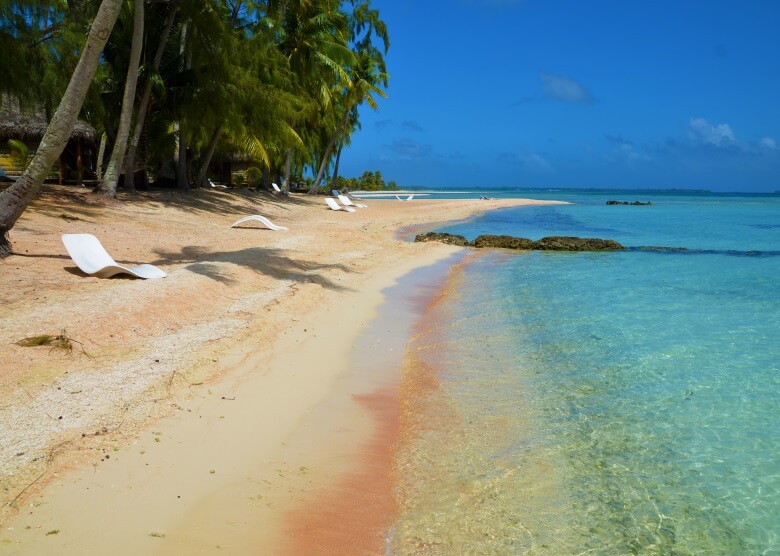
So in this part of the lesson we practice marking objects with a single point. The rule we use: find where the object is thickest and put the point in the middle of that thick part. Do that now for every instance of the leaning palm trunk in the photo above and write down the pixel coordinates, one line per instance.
(111, 178)
(326, 157)
(200, 181)
(144, 104)
(15, 199)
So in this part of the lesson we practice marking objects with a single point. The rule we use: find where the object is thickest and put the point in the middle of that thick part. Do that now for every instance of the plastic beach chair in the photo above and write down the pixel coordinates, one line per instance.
(347, 202)
(262, 219)
(335, 206)
(90, 256)
(409, 198)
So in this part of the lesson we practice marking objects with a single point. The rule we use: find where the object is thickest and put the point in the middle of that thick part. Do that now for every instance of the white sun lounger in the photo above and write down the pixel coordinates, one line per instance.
(347, 202)
(409, 198)
(262, 220)
(335, 206)
(90, 256)
(276, 188)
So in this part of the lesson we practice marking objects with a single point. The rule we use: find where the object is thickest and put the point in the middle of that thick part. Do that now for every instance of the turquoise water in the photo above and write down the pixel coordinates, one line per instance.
(617, 403)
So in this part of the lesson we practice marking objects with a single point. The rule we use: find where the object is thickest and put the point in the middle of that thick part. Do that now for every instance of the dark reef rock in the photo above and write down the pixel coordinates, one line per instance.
(566, 243)
(553, 243)
(659, 248)
(451, 239)
(504, 242)
(635, 203)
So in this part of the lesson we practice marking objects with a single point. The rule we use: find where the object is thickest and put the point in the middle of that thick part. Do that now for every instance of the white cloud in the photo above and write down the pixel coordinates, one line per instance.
(704, 132)
(566, 89)
(408, 149)
(535, 161)
(630, 154)
(531, 161)
(768, 143)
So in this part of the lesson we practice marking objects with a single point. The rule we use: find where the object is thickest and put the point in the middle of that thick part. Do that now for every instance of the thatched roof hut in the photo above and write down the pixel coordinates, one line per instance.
(29, 125)
(78, 158)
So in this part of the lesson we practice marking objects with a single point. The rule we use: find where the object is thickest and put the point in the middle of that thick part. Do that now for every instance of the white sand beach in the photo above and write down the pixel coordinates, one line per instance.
(200, 411)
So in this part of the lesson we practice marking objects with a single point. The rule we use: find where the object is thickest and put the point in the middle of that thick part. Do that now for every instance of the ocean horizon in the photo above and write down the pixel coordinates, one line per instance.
(611, 402)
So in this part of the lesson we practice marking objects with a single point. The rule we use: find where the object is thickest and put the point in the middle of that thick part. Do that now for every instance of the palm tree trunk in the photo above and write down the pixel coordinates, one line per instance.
(325, 159)
(111, 178)
(200, 181)
(336, 167)
(287, 165)
(15, 199)
(143, 106)
(100, 155)
(181, 169)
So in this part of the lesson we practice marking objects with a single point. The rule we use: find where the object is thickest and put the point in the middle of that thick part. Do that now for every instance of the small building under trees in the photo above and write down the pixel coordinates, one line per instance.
(21, 131)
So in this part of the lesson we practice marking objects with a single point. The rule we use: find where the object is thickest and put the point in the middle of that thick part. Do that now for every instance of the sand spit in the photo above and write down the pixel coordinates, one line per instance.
(178, 395)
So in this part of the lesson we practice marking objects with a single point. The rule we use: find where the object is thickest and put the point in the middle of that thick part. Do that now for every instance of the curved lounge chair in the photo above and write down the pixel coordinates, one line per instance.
(90, 256)
(335, 206)
(262, 220)
(276, 189)
(347, 202)
(409, 198)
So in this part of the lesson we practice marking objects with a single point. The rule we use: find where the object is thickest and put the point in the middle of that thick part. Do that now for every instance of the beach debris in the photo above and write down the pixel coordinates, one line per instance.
(60, 341)
(53, 532)
(157, 535)
(635, 203)
(55, 341)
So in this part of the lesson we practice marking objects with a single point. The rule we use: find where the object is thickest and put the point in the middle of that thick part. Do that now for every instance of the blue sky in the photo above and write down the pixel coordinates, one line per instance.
(552, 93)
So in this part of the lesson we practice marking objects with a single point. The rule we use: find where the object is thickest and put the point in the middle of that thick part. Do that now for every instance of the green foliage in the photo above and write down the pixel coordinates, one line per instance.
(19, 153)
(239, 180)
(273, 77)
(254, 176)
(369, 181)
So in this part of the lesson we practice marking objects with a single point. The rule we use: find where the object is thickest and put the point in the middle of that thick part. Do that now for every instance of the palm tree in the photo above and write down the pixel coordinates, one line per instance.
(115, 164)
(146, 96)
(368, 75)
(15, 199)
(313, 35)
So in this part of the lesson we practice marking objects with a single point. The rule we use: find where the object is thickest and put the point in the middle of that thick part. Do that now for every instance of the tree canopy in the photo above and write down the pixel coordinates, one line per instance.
(276, 84)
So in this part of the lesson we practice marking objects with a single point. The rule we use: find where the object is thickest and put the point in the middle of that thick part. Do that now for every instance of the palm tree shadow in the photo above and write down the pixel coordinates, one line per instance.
(269, 261)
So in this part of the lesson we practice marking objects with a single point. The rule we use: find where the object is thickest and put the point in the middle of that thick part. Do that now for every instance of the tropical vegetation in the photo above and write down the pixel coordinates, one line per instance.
(278, 83)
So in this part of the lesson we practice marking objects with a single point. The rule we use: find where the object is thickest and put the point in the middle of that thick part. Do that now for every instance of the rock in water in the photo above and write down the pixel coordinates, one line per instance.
(567, 243)
(553, 243)
(505, 242)
(451, 239)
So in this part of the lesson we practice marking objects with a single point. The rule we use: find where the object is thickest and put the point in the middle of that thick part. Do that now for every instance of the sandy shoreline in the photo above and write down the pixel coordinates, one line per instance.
(173, 413)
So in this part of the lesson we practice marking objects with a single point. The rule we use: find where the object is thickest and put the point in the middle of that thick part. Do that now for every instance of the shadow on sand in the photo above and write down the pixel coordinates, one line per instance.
(269, 261)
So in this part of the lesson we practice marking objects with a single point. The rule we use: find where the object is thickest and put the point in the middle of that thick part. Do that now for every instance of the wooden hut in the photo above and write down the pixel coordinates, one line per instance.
(27, 126)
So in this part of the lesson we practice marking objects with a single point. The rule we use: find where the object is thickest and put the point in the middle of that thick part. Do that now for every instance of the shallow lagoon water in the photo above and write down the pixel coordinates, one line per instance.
(610, 402)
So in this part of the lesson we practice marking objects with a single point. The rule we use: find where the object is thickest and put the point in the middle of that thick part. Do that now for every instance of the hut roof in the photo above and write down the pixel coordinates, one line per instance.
(30, 124)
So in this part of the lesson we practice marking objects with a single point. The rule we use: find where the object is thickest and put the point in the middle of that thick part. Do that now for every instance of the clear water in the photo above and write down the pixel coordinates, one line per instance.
(607, 403)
